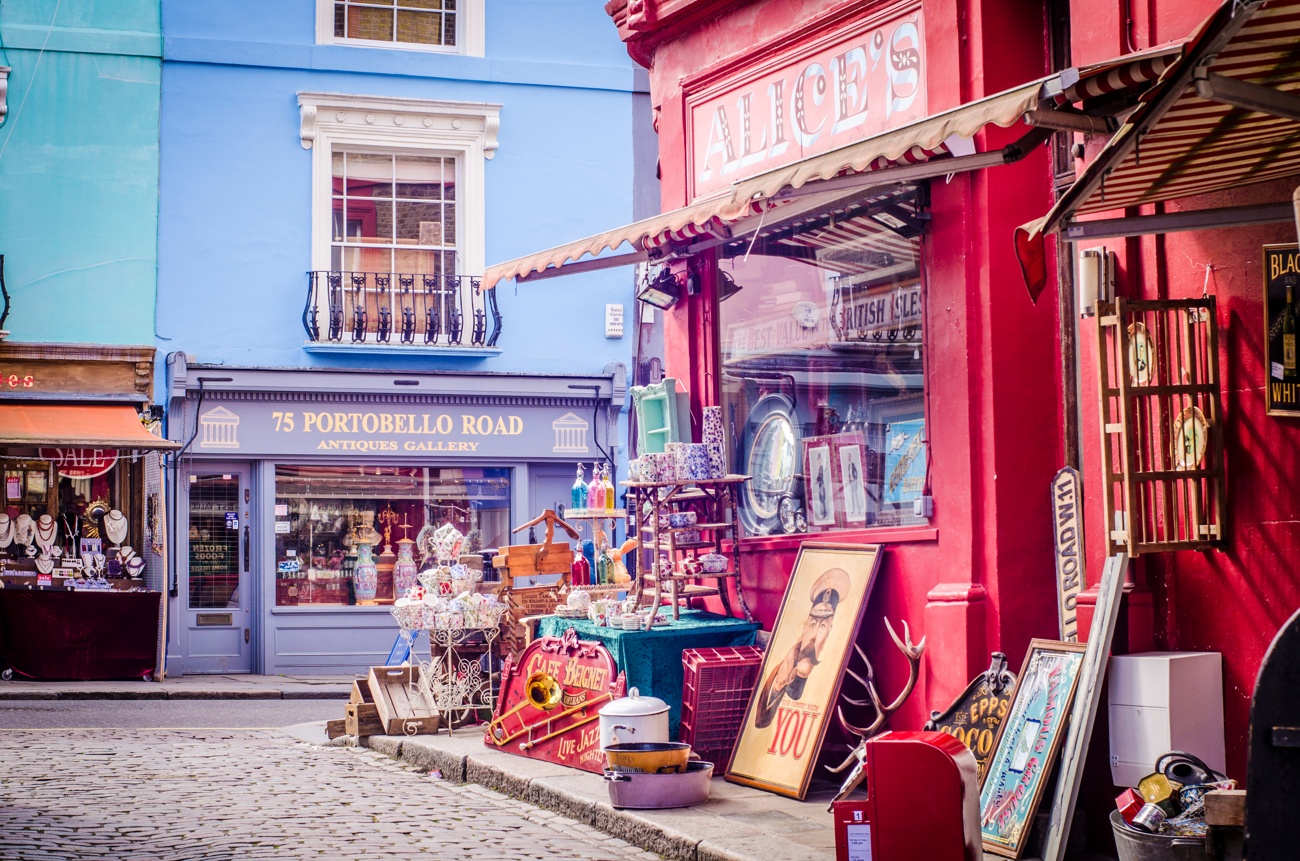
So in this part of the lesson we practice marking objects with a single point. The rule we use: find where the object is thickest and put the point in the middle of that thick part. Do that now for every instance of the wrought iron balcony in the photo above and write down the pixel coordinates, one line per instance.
(399, 309)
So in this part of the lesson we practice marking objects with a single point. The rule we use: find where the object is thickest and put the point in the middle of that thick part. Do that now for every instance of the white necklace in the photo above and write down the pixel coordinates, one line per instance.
(6, 530)
(23, 528)
(46, 531)
(115, 525)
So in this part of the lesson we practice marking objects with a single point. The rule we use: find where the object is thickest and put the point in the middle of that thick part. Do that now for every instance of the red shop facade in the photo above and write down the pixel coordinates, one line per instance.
(854, 199)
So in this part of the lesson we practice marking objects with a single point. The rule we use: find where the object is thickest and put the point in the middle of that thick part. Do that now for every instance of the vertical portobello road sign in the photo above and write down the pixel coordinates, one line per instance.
(1068, 541)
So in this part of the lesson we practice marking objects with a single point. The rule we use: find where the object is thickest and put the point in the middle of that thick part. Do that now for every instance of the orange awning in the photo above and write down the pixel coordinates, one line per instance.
(88, 426)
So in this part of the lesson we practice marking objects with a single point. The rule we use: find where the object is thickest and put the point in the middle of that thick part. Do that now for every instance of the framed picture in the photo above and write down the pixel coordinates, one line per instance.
(36, 483)
(819, 480)
(853, 478)
(799, 681)
(1281, 293)
(1027, 744)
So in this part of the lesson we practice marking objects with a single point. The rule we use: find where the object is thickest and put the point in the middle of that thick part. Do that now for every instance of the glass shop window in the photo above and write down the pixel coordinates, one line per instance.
(329, 519)
(821, 330)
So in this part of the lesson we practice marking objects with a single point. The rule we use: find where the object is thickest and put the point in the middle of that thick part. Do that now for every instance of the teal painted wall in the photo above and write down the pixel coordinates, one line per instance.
(79, 169)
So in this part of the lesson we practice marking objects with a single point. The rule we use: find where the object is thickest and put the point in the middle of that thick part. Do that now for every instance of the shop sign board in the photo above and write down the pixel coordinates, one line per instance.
(80, 462)
(976, 715)
(551, 696)
(1281, 321)
(291, 428)
(1067, 535)
(809, 100)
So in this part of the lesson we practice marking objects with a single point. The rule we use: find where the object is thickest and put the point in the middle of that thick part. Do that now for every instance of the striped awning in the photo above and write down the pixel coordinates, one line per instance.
(935, 146)
(1187, 137)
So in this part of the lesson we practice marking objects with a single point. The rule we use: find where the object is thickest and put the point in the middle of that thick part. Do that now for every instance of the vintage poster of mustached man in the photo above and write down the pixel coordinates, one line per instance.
(802, 667)
(1281, 320)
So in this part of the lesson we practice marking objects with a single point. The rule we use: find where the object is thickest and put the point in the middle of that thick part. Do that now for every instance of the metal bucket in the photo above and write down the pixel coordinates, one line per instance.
(1134, 845)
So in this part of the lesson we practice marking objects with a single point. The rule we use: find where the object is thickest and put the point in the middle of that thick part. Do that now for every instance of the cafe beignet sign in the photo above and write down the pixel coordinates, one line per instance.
(810, 100)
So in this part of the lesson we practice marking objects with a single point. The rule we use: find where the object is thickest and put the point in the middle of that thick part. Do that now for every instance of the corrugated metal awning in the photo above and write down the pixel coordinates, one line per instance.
(1192, 133)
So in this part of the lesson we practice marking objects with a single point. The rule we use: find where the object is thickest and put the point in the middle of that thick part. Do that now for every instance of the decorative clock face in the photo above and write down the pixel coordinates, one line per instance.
(1191, 434)
(1141, 353)
(806, 314)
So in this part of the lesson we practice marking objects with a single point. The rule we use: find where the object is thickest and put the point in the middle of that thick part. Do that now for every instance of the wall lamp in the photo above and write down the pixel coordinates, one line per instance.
(663, 292)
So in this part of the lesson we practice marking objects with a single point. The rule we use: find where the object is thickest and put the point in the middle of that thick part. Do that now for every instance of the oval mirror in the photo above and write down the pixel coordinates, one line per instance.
(771, 446)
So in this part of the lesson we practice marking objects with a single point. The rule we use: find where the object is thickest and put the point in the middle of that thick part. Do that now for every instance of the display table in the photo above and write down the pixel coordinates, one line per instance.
(652, 660)
(82, 635)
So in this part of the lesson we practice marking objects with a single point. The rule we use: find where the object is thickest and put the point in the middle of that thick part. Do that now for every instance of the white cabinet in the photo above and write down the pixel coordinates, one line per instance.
(1163, 701)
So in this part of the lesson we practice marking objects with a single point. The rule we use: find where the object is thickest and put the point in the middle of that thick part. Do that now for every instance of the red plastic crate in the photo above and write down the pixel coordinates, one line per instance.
(716, 685)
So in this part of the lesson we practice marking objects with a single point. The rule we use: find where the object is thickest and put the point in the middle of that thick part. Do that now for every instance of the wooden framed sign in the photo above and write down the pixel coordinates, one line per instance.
(1027, 744)
(1281, 293)
(799, 680)
(1067, 535)
(976, 714)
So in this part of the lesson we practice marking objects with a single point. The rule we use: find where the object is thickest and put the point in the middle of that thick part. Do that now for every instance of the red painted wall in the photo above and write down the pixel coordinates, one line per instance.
(1233, 601)
(982, 577)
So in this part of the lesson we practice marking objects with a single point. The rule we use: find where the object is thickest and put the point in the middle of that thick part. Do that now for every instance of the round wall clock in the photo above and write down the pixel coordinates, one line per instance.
(806, 314)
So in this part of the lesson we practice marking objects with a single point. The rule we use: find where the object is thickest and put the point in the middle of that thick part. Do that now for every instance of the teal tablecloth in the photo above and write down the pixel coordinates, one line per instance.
(652, 660)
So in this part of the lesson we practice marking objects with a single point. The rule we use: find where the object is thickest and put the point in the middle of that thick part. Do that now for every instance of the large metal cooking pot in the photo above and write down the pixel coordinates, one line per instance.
(660, 757)
(651, 791)
(633, 718)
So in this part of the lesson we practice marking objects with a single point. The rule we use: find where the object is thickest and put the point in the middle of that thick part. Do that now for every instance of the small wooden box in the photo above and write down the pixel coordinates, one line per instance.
(362, 719)
(402, 709)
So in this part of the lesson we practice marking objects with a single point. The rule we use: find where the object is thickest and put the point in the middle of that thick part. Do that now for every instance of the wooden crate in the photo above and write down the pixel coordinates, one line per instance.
(336, 728)
(361, 692)
(402, 710)
(362, 719)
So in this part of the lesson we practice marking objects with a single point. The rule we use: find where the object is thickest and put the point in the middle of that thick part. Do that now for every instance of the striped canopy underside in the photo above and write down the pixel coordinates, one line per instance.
(1199, 146)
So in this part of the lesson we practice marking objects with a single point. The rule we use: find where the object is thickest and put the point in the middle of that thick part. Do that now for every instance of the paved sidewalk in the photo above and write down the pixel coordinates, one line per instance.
(230, 687)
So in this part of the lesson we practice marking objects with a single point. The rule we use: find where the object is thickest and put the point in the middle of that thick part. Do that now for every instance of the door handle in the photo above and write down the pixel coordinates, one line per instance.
(245, 635)
(245, 548)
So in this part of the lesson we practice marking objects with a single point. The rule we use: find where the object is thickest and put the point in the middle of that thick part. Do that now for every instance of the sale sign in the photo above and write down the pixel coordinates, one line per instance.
(80, 462)
(550, 701)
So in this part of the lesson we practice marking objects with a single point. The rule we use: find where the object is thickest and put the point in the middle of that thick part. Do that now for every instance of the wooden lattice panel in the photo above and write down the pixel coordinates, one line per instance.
(1162, 435)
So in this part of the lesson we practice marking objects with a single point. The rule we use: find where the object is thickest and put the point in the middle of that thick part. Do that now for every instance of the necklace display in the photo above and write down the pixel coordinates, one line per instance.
(24, 526)
(44, 563)
(46, 532)
(6, 531)
(115, 526)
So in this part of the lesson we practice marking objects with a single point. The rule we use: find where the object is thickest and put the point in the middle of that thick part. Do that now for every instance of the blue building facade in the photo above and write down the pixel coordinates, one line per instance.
(334, 177)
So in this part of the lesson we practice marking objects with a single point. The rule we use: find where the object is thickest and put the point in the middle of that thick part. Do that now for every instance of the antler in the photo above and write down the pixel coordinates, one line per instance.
(857, 756)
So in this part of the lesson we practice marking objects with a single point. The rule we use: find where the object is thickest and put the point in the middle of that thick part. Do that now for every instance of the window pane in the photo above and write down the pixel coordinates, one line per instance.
(419, 223)
(333, 511)
(368, 175)
(821, 338)
(370, 23)
(424, 28)
(214, 545)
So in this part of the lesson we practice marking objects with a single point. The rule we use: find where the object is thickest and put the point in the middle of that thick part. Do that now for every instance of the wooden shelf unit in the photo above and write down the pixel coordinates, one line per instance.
(714, 503)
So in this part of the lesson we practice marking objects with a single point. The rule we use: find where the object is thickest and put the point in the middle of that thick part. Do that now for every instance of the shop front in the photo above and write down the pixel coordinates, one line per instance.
(294, 486)
(83, 530)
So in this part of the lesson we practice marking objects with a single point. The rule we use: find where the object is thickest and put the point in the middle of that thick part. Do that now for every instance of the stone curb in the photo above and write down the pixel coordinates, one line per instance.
(176, 694)
(680, 835)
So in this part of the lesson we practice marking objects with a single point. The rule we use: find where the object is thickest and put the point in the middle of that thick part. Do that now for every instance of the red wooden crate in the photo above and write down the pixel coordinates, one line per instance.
(716, 685)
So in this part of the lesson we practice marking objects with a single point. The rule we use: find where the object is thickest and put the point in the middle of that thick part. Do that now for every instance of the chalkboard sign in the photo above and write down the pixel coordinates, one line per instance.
(974, 717)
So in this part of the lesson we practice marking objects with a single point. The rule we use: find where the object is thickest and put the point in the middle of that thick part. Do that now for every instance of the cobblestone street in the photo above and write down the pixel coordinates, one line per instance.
(211, 795)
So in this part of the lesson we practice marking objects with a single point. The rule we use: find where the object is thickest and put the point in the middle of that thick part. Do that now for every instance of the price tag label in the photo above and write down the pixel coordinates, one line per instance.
(44, 580)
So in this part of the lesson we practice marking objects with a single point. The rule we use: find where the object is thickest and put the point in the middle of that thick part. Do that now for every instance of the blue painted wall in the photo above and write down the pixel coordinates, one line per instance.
(79, 169)
(235, 231)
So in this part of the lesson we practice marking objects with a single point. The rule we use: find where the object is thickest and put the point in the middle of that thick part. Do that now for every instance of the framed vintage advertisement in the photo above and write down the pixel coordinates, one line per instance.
(1027, 744)
(853, 478)
(1281, 293)
(799, 681)
(819, 480)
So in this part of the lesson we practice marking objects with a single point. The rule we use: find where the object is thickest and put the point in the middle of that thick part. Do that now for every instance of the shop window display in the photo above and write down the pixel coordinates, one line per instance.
(332, 524)
(821, 338)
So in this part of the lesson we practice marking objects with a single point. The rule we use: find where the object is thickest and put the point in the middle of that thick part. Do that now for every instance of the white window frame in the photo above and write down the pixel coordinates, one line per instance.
(466, 131)
(470, 32)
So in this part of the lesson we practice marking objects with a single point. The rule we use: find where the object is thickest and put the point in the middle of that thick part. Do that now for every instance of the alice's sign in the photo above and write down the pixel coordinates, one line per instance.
(1068, 538)
(300, 427)
(811, 101)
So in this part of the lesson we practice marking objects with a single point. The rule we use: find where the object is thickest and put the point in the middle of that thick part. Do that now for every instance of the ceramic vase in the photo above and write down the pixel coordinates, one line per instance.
(405, 570)
(712, 437)
(365, 576)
